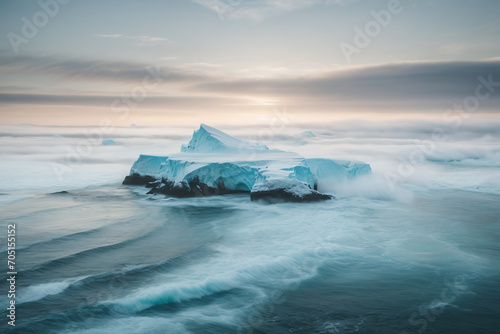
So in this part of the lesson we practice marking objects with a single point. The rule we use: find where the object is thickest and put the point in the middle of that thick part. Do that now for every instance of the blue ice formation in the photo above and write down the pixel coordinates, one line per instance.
(214, 163)
(108, 142)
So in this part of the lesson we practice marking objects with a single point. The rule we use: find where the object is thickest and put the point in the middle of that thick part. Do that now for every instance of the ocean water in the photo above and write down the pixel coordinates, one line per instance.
(94, 256)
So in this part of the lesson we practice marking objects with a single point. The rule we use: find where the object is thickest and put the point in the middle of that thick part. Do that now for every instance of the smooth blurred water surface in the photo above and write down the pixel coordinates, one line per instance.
(108, 258)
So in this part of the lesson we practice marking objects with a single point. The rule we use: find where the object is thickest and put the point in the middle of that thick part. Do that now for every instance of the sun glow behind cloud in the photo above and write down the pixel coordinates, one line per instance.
(200, 90)
(267, 54)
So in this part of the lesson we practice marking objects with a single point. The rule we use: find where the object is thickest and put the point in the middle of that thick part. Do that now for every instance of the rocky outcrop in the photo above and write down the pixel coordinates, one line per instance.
(283, 195)
(194, 188)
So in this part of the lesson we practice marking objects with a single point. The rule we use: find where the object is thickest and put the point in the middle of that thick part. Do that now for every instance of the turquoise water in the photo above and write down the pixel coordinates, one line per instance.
(110, 260)
(100, 257)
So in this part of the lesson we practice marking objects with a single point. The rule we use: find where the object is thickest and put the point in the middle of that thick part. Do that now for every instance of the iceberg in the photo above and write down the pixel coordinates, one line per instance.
(308, 133)
(215, 163)
(108, 142)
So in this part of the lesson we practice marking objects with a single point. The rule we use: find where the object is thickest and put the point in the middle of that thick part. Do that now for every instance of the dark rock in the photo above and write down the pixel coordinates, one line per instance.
(169, 188)
(138, 180)
(282, 195)
(64, 192)
(195, 188)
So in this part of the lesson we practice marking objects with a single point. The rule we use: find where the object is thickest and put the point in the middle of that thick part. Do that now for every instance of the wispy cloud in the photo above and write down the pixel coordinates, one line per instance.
(259, 9)
(422, 85)
(79, 70)
(109, 36)
(143, 40)
(397, 86)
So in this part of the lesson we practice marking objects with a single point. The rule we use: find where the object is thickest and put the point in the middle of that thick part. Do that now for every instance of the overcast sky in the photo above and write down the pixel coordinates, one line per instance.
(228, 61)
